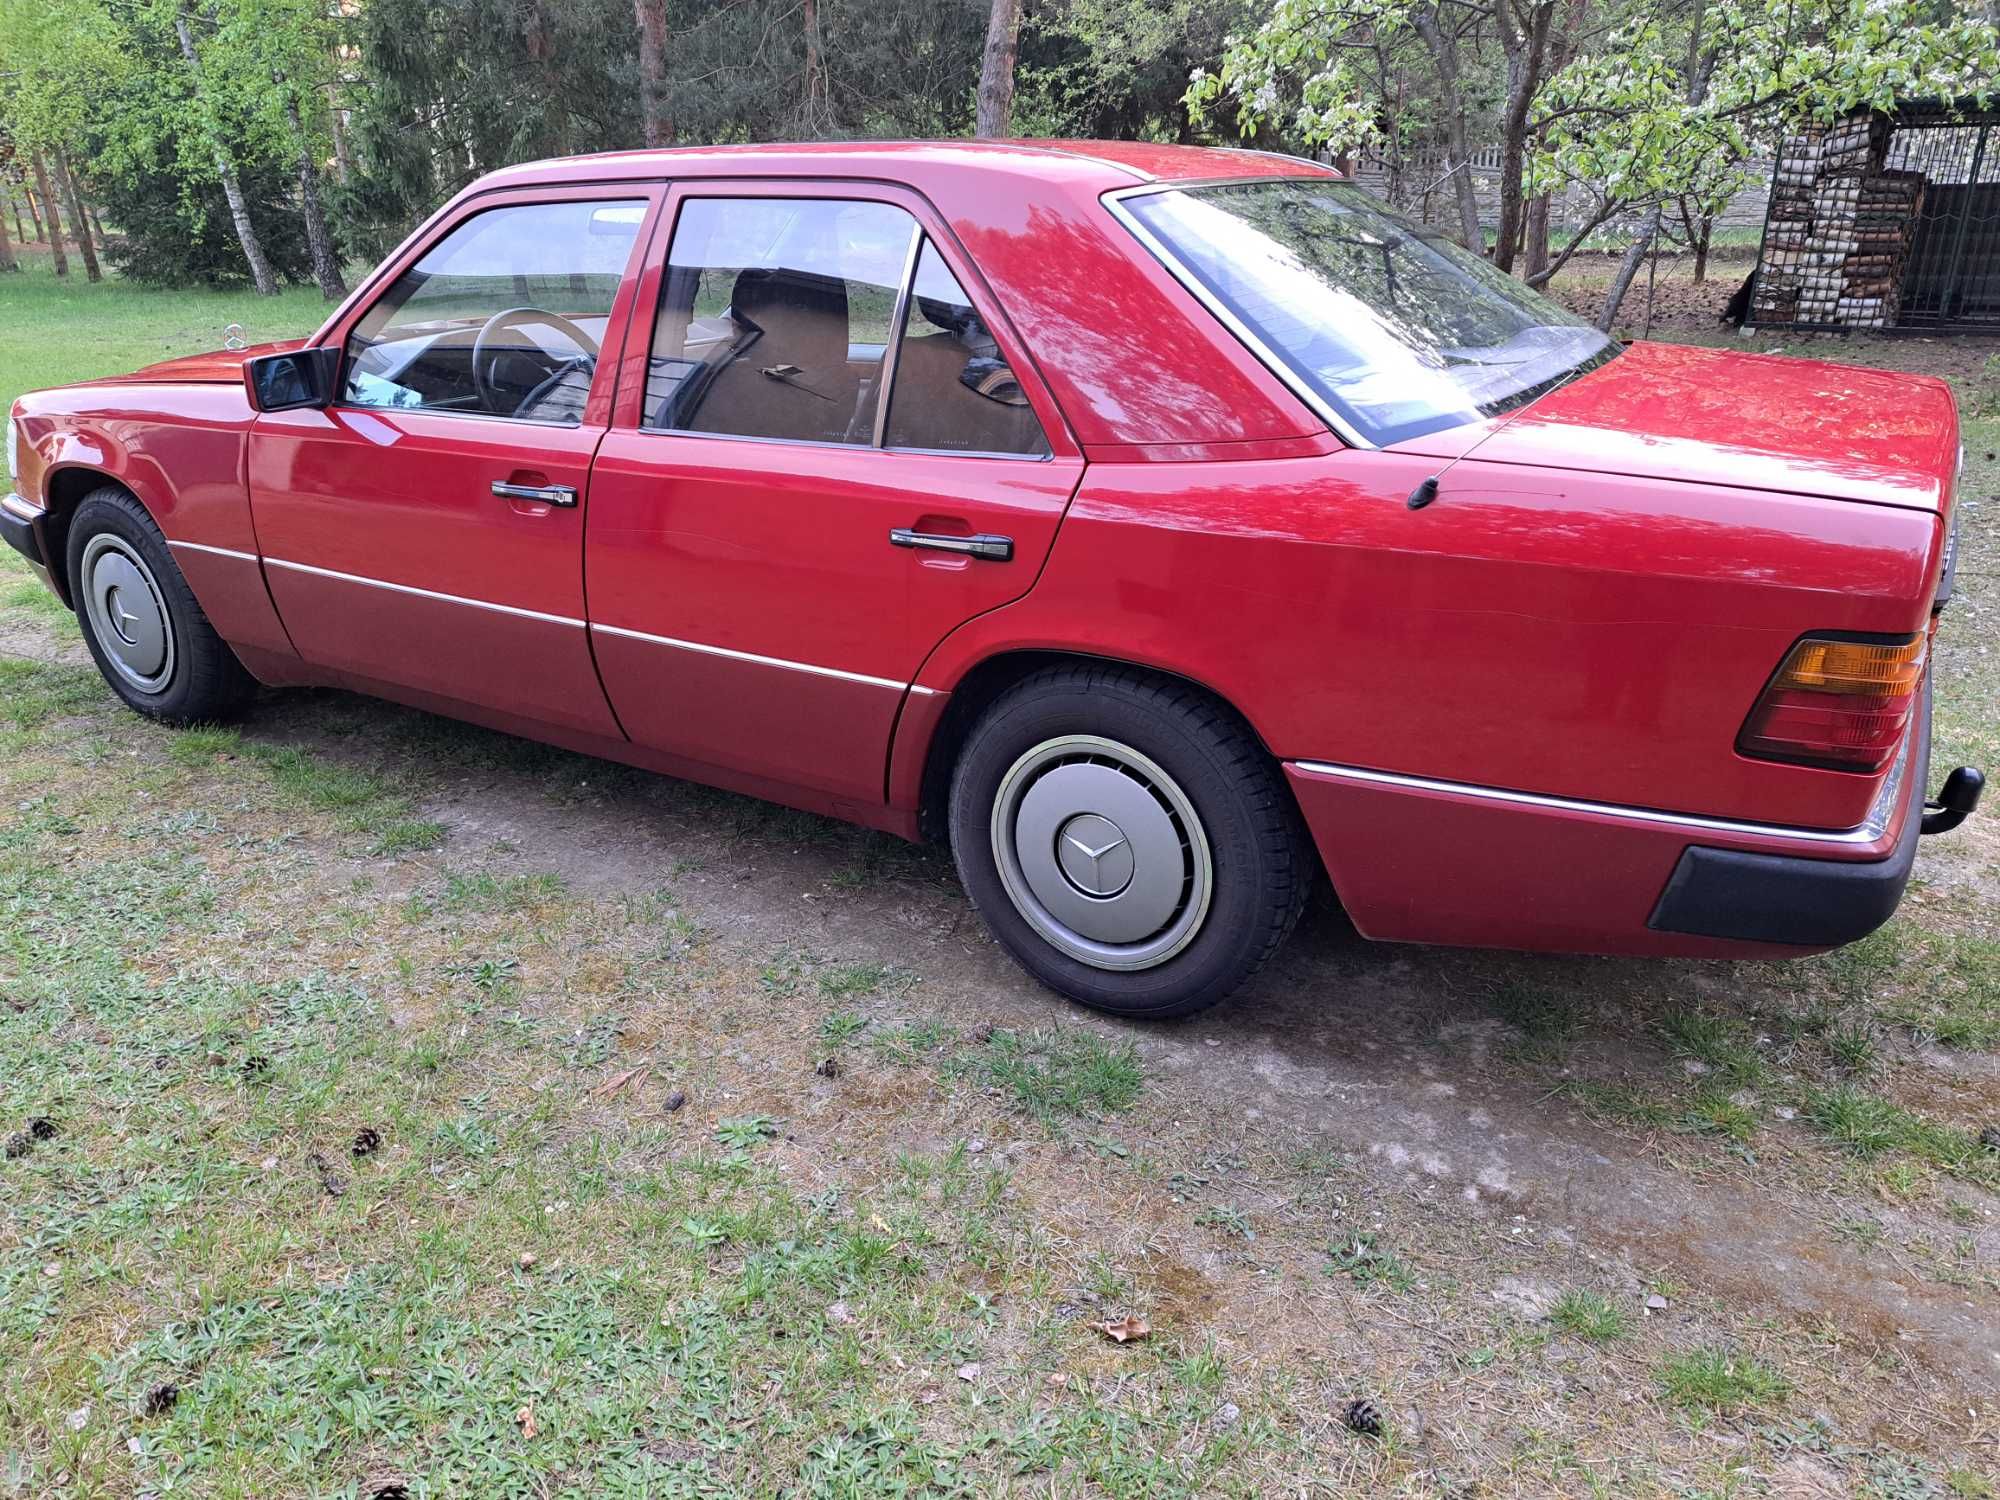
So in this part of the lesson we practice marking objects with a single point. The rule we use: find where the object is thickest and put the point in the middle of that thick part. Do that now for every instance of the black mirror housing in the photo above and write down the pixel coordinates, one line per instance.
(296, 378)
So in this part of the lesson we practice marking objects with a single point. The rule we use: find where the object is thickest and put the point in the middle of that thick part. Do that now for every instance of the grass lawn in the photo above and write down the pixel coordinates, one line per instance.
(57, 330)
(393, 1108)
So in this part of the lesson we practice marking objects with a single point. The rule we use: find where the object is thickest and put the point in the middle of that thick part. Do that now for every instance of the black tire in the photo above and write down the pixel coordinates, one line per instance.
(1261, 864)
(199, 679)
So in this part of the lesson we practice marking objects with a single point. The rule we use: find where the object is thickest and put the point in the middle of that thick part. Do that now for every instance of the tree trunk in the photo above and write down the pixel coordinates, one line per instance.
(1443, 47)
(51, 218)
(326, 264)
(652, 18)
(97, 227)
(232, 187)
(1535, 238)
(343, 152)
(996, 70)
(818, 118)
(79, 222)
(34, 214)
(1527, 51)
(7, 261)
(1704, 234)
(1635, 254)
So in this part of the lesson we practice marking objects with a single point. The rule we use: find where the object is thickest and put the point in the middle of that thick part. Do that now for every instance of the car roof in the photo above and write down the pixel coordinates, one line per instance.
(1135, 364)
(1116, 163)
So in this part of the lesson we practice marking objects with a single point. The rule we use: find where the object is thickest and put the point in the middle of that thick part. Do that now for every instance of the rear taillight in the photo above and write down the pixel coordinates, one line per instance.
(1840, 703)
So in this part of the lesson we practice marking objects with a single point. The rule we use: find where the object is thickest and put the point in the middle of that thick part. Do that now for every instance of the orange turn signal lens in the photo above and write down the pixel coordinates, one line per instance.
(1852, 667)
(1845, 705)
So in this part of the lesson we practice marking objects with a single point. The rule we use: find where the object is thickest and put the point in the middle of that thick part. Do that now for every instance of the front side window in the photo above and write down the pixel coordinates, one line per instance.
(774, 317)
(1391, 325)
(954, 391)
(504, 316)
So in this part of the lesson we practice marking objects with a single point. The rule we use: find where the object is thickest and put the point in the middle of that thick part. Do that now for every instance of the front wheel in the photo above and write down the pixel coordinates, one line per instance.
(1127, 839)
(140, 619)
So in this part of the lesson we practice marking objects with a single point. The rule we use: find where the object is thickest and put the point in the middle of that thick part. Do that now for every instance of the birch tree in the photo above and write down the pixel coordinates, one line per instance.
(225, 166)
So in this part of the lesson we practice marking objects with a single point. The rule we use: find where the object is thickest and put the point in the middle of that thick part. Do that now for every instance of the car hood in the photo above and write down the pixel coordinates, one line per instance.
(1718, 416)
(217, 367)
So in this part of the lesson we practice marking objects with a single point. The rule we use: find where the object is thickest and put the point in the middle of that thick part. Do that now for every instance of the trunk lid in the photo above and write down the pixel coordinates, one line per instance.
(1719, 416)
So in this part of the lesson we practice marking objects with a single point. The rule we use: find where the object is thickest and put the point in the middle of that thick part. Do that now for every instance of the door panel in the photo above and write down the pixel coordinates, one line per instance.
(390, 557)
(748, 607)
(426, 530)
(781, 551)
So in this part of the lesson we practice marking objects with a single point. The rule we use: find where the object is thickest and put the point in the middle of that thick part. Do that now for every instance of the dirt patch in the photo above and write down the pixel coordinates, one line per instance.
(1393, 1052)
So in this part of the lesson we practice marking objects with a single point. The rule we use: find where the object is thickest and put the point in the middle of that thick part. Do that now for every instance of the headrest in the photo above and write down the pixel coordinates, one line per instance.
(955, 317)
(802, 316)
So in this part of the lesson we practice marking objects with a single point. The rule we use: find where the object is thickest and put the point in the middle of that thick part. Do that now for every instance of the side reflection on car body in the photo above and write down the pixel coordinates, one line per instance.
(1161, 526)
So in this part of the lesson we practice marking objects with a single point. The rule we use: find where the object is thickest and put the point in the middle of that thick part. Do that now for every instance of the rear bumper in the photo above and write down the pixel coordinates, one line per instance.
(1434, 862)
(1811, 903)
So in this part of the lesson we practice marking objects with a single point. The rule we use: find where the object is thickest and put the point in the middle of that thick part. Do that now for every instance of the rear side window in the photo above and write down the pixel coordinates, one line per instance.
(502, 317)
(774, 317)
(954, 391)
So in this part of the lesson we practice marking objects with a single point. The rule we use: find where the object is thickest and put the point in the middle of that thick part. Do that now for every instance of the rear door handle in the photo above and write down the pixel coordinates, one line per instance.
(548, 494)
(986, 547)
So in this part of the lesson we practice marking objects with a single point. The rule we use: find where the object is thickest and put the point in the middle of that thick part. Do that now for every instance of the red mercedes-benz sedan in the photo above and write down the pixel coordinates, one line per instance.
(1160, 525)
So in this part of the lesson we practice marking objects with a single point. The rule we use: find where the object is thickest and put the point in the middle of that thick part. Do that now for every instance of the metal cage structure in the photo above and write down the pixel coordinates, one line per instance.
(1885, 221)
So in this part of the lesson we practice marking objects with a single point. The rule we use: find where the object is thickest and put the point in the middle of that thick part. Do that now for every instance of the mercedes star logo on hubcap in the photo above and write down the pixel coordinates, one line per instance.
(1094, 855)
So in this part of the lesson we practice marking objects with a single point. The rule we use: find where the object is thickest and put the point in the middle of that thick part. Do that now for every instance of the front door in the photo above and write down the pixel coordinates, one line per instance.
(425, 532)
(829, 463)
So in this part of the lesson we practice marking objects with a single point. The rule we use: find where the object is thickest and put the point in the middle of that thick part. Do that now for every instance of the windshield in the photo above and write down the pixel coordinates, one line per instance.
(1396, 329)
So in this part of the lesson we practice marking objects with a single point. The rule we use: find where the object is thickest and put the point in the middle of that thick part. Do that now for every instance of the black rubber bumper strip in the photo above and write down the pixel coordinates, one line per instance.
(20, 534)
(1783, 898)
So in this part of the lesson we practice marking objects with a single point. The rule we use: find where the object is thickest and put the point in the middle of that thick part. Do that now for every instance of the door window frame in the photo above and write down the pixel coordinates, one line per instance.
(604, 380)
(629, 407)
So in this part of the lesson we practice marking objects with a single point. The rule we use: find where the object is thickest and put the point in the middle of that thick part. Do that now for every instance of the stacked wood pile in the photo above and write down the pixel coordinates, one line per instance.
(1839, 229)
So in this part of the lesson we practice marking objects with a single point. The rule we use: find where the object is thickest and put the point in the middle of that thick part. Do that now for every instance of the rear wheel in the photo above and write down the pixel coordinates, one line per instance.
(1127, 839)
(140, 620)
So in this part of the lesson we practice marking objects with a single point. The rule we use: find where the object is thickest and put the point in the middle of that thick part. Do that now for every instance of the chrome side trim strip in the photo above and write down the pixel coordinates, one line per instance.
(213, 551)
(762, 661)
(637, 635)
(1866, 833)
(404, 588)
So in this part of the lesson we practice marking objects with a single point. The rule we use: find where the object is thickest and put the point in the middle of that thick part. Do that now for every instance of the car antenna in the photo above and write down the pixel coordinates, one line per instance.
(1427, 487)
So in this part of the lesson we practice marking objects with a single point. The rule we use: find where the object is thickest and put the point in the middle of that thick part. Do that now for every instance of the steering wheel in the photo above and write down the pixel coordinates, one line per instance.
(486, 354)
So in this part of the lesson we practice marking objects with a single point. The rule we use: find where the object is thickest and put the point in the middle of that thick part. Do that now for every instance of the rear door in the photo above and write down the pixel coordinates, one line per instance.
(425, 532)
(828, 453)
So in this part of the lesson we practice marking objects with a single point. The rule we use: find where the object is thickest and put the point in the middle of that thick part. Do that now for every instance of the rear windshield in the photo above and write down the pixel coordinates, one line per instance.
(1393, 327)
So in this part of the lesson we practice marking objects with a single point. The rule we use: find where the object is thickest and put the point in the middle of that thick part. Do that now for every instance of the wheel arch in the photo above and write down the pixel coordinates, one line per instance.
(64, 489)
(990, 676)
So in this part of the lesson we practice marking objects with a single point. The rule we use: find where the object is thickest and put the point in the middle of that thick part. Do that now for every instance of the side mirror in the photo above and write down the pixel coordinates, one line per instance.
(300, 377)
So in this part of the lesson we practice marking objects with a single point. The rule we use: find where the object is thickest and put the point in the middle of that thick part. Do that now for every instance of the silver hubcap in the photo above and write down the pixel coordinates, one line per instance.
(127, 615)
(1101, 852)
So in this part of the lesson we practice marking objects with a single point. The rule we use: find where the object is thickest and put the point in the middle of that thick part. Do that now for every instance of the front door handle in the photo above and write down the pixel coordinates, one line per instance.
(548, 494)
(985, 547)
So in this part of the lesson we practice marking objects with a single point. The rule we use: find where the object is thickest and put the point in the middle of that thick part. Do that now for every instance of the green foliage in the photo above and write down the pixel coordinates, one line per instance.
(1642, 106)
(177, 232)
(1116, 69)
(495, 82)
(109, 84)
(1300, 72)
(1669, 104)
